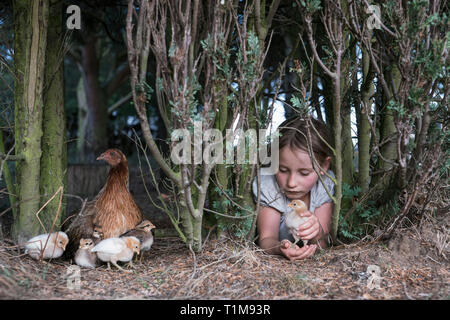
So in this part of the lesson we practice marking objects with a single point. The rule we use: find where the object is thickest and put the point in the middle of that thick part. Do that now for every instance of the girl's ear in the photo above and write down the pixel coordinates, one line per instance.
(326, 164)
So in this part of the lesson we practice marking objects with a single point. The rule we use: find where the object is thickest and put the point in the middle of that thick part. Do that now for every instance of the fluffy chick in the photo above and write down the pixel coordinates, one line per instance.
(117, 249)
(97, 235)
(293, 219)
(47, 246)
(143, 231)
(84, 257)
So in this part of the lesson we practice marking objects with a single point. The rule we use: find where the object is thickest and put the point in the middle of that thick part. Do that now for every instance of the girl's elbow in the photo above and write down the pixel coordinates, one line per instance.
(269, 245)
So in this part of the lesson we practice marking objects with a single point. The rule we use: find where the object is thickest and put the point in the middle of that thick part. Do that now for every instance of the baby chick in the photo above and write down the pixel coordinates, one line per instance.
(84, 257)
(117, 249)
(143, 231)
(293, 219)
(97, 234)
(47, 246)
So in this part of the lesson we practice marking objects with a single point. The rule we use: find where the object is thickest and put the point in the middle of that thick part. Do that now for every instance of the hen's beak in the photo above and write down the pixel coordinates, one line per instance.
(101, 157)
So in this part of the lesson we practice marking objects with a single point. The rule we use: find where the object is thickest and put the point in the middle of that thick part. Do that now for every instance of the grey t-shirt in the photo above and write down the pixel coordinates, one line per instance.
(271, 196)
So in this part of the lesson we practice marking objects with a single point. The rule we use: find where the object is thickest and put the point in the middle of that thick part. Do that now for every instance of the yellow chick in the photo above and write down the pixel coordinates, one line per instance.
(143, 231)
(293, 219)
(117, 249)
(84, 257)
(97, 234)
(47, 246)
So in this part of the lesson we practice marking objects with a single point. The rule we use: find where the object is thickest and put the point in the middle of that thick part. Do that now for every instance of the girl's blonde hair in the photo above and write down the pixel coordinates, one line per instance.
(293, 134)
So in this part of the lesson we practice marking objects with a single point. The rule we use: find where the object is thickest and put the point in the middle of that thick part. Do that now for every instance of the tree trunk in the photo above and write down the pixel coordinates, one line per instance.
(347, 149)
(8, 178)
(222, 122)
(328, 101)
(97, 115)
(244, 193)
(30, 40)
(364, 125)
(347, 143)
(388, 132)
(53, 160)
(338, 149)
(82, 114)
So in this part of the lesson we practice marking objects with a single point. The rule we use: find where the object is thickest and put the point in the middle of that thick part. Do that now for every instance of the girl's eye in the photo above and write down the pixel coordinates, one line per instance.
(304, 173)
(282, 170)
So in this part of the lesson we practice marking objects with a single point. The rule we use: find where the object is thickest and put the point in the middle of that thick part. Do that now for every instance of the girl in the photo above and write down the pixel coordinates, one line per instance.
(296, 179)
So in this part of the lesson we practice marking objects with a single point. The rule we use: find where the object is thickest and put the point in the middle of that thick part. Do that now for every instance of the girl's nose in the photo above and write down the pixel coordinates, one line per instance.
(291, 181)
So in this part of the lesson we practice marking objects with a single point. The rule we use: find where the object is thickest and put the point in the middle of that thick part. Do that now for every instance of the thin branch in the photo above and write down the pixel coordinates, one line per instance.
(117, 80)
(308, 20)
(11, 157)
(120, 102)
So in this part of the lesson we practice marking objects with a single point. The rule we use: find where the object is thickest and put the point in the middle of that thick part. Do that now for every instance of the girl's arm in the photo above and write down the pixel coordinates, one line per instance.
(268, 228)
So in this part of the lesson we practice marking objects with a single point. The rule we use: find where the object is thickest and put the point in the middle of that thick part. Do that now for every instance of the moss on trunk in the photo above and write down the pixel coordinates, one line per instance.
(53, 165)
(30, 40)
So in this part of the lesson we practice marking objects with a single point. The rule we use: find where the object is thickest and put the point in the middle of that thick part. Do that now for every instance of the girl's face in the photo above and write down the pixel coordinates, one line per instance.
(296, 176)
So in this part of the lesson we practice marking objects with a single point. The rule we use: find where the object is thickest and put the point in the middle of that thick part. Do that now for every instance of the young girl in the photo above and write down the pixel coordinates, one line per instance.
(296, 179)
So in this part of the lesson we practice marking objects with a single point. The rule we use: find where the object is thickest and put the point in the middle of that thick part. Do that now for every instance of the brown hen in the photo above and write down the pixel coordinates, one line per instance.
(113, 209)
(117, 212)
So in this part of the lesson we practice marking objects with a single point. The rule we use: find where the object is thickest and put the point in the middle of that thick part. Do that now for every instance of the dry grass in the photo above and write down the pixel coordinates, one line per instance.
(228, 269)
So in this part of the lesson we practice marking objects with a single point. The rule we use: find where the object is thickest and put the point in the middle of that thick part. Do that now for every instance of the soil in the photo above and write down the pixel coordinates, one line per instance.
(410, 268)
(413, 264)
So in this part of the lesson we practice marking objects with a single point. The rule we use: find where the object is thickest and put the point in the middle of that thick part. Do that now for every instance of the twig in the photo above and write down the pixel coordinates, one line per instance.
(195, 262)
(172, 218)
(11, 157)
(45, 204)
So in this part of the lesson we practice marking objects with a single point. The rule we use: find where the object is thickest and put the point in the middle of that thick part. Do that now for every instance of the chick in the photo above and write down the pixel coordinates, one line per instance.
(117, 249)
(84, 257)
(97, 234)
(293, 219)
(143, 231)
(47, 246)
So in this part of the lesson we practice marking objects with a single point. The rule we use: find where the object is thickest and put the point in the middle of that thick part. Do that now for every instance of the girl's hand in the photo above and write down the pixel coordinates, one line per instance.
(311, 228)
(297, 253)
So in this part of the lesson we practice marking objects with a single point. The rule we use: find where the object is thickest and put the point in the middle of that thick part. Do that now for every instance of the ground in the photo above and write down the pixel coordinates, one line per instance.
(227, 269)
(413, 264)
